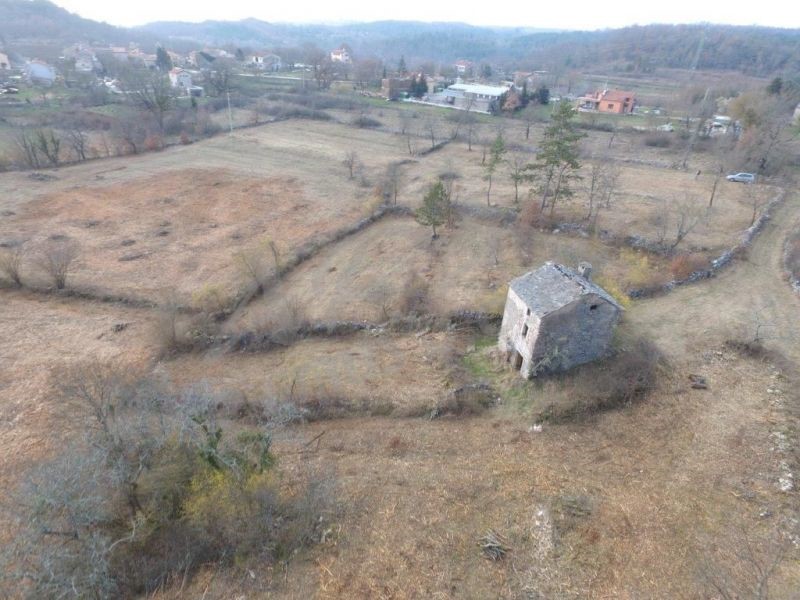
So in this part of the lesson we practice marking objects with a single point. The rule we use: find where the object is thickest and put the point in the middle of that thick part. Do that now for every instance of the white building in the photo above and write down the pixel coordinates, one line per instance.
(343, 55)
(265, 61)
(181, 79)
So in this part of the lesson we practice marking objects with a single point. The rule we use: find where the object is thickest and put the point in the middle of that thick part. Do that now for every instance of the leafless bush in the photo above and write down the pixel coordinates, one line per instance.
(741, 563)
(414, 297)
(350, 162)
(624, 378)
(11, 263)
(56, 258)
(151, 490)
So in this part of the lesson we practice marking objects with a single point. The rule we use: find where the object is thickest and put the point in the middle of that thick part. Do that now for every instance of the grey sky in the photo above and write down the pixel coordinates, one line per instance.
(571, 14)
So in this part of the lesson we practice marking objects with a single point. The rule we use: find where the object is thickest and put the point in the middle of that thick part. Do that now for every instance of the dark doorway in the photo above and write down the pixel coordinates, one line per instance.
(517, 360)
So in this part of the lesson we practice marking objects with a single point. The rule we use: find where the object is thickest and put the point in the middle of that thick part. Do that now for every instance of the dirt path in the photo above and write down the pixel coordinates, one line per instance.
(751, 293)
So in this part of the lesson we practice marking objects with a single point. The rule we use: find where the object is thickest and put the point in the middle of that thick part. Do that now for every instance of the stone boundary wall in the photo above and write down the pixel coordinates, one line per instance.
(724, 259)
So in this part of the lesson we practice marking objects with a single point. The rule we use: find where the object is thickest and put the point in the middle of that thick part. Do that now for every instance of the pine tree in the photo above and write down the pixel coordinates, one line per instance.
(433, 211)
(401, 66)
(557, 160)
(163, 60)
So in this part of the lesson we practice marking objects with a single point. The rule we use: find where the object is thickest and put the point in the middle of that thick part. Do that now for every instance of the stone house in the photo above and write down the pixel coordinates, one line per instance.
(556, 318)
(5, 63)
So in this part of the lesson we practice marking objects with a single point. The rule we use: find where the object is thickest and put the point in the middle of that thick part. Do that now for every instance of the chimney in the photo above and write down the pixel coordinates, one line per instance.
(585, 270)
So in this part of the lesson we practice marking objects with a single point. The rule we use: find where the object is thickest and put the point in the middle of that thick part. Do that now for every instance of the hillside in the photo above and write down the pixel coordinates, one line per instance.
(753, 50)
(39, 23)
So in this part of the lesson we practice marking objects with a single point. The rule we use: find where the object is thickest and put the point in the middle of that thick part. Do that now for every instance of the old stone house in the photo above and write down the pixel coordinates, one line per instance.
(556, 318)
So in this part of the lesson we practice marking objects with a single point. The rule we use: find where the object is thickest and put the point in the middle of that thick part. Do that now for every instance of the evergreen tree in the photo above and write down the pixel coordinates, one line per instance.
(419, 86)
(557, 160)
(239, 55)
(433, 211)
(542, 95)
(401, 66)
(775, 86)
(163, 60)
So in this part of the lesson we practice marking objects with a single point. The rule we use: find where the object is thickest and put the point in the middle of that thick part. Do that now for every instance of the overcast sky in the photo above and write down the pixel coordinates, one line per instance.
(555, 14)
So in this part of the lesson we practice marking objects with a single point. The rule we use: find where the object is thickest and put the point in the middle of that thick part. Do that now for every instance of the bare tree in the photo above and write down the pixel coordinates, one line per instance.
(221, 76)
(394, 179)
(676, 220)
(756, 201)
(351, 162)
(11, 263)
(49, 145)
(600, 186)
(57, 258)
(431, 129)
(517, 165)
(28, 150)
(529, 117)
(151, 92)
(78, 140)
(131, 132)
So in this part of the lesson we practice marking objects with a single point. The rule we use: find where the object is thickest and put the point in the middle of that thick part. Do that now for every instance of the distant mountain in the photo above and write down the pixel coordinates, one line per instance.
(754, 50)
(39, 27)
(38, 23)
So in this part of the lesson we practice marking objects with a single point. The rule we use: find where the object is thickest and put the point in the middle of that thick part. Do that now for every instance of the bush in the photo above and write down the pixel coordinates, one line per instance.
(366, 122)
(620, 380)
(414, 297)
(56, 259)
(11, 263)
(154, 490)
(684, 265)
(153, 142)
(658, 140)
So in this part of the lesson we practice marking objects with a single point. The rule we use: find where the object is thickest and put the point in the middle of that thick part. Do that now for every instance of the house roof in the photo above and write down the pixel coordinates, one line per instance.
(553, 286)
(617, 96)
(475, 88)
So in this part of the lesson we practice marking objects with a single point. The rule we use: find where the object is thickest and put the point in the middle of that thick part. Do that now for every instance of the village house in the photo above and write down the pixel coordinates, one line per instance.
(180, 79)
(608, 101)
(474, 96)
(556, 318)
(39, 72)
(464, 67)
(796, 114)
(393, 88)
(5, 63)
(265, 61)
(343, 54)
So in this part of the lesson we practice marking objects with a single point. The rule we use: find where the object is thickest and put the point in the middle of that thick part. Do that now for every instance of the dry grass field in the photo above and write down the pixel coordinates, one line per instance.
(644, 501)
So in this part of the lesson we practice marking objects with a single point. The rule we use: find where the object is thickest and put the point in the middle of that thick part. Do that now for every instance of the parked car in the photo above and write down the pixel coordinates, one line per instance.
(742, 177)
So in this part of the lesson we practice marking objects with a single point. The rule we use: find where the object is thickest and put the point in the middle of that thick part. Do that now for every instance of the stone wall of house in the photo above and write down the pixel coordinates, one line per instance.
(574, 335)
(511, 338)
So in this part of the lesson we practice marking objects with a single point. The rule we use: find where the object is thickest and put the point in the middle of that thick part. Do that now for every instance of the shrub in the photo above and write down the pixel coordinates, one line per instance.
(658, 140)
(155, 489)
(684, 265)
(56, 259)
(620, 380)
(11, 263)
(153, 142)
(414, 297)
(366, 122)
